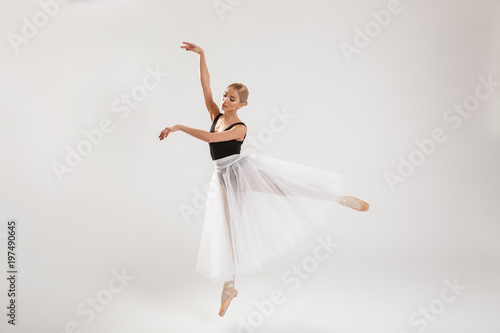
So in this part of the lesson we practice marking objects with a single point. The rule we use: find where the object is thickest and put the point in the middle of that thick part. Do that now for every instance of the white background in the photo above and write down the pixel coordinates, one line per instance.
(120, 208)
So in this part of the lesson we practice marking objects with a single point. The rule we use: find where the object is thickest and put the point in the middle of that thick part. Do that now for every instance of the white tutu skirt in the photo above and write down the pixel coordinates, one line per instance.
(258, 208)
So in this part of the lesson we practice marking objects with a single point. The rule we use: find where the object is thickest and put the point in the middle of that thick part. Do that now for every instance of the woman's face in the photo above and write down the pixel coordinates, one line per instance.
(230, 99)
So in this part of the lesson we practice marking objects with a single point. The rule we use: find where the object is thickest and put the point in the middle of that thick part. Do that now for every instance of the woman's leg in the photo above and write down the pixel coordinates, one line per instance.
(277, 186)
(228, 290)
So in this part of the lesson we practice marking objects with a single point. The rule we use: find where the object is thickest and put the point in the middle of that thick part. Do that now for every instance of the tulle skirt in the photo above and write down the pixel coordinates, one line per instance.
(258, 208)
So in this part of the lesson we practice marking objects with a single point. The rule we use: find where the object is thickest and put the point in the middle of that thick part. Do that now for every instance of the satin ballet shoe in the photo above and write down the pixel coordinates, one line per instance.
(225, 304)
(354, 203)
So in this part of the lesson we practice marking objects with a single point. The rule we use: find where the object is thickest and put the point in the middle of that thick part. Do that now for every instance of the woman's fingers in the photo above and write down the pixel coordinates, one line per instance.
(164, 134)
(190, 47)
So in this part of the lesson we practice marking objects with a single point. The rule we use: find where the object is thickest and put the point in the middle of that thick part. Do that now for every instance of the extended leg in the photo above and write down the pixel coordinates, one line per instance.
(279, 187)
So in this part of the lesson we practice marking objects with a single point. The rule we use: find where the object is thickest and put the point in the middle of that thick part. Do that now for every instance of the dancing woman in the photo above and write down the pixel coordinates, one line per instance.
(258, 207)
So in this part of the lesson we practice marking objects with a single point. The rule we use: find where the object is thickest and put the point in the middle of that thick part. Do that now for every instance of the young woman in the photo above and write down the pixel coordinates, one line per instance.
(258, 207)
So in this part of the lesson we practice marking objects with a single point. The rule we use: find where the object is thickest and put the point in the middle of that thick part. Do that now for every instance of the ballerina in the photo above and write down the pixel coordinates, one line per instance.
(259, 207)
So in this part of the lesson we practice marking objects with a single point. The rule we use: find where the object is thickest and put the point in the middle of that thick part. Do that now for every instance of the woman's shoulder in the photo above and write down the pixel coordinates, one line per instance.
(239, 122)
(214, 118)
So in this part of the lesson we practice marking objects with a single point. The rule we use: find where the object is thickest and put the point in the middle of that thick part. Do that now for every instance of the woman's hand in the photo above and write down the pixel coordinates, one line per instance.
(169, 130)
(192, 47)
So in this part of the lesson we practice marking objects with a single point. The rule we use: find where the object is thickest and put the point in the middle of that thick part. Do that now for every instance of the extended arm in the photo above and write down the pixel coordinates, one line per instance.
(234, 133)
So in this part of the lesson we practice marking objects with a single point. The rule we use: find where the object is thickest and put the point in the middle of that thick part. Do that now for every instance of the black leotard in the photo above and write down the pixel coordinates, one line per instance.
(224, 148)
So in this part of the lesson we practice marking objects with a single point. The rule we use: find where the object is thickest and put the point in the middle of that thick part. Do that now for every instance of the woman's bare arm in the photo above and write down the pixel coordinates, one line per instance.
(236, 132)
(212, 107)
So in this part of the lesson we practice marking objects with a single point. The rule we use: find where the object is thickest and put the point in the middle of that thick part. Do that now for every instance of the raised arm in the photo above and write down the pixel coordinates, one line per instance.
(212, 107)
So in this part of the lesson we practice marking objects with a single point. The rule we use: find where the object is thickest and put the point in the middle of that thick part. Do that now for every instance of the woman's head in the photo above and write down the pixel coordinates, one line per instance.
(235, 96)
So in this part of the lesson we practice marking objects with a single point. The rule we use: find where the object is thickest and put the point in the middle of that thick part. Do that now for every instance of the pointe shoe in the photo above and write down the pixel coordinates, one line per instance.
(354, 203)
(225, 304)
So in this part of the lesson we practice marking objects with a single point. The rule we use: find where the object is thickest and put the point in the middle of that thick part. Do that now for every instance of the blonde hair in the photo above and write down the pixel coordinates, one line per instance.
(242, 91)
